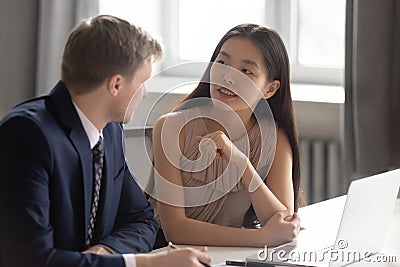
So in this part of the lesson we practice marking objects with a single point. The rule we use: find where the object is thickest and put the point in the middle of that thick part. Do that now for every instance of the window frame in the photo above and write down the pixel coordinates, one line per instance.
(276, 17)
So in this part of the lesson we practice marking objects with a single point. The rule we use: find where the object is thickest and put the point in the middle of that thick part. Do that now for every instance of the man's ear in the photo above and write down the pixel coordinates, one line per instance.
(114, 84)
(272, 88)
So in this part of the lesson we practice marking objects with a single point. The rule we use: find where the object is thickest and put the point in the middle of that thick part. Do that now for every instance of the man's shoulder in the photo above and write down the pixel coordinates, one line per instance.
(31, 110)
(25, 128)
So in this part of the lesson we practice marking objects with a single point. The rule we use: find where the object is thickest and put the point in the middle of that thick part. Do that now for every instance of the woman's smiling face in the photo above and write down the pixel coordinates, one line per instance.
(239, 75)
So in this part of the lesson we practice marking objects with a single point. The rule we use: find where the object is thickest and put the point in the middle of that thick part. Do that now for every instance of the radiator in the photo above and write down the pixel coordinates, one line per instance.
(320, 170)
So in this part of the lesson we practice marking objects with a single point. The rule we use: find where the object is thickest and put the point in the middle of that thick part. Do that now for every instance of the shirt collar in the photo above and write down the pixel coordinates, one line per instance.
(91, 131)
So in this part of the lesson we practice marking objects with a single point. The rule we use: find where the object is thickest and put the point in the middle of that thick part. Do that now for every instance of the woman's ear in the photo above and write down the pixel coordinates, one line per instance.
(114, 84)
(272, 88)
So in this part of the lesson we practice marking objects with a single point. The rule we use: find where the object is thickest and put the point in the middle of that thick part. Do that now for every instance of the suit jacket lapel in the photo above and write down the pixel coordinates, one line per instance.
(69, 119)
(82, 146)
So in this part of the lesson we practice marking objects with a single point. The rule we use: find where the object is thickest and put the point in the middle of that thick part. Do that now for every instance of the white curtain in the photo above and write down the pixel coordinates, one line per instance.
(56, 18)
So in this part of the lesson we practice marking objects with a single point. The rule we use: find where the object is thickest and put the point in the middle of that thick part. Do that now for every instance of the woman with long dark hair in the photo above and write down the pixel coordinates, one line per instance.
(220, 160)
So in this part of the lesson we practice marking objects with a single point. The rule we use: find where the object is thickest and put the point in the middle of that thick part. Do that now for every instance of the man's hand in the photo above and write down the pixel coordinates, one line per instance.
(98, 249)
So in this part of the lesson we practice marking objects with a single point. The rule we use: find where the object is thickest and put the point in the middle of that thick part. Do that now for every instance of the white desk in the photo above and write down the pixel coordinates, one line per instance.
(322, 221)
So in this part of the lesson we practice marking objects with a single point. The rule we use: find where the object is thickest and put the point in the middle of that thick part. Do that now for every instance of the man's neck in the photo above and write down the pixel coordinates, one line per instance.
(93, 108)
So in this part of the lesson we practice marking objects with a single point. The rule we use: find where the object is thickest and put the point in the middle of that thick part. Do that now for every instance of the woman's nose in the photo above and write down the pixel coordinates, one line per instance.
(227, 78)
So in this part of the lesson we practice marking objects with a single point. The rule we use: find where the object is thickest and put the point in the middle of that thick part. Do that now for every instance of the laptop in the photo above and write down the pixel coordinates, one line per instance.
(361, 233)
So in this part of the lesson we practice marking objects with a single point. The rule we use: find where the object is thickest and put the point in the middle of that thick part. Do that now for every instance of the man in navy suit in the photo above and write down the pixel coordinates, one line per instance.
(61, 205)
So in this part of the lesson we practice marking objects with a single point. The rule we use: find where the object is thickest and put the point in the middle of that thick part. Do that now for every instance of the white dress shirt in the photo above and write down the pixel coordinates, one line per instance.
(93, 134)
(91, 131)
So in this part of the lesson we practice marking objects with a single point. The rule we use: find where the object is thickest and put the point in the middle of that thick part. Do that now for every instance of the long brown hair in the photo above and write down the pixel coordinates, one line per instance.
(281, 104)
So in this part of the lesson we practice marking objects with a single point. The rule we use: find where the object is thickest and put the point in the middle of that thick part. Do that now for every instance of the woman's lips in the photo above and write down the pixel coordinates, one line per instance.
(226, 92)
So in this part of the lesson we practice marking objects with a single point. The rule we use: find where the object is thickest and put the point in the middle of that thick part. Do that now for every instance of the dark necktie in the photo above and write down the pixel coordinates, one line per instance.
(98, 159)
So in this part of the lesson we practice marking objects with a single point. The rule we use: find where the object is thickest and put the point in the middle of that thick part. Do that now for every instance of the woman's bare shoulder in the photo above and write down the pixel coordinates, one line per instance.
(169, 120)
(282, 140)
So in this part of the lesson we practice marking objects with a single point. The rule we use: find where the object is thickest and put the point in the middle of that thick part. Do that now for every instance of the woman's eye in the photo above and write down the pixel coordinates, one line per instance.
(221, 62)
(246, 71)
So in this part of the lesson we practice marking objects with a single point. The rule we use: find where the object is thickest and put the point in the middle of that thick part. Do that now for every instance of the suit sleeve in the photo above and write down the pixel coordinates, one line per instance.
(26, 234)
(135, 227)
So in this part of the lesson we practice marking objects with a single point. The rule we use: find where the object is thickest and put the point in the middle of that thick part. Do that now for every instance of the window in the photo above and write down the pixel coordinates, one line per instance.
(200, 31)
(313, 31)
(321, 34)
(317, 41)
(146, 14)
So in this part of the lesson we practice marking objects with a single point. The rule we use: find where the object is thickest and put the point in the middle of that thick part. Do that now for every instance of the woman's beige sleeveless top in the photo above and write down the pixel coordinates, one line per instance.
(230, 209)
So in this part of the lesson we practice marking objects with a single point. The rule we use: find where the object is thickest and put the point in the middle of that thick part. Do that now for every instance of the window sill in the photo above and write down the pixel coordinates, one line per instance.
(300, 92)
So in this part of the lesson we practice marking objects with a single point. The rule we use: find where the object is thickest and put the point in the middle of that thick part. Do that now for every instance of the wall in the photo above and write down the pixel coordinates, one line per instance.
(314, 120)
(318, 120)
(17, 51)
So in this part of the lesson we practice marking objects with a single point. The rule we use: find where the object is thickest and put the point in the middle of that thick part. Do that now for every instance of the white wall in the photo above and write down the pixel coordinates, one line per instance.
(315, 120)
